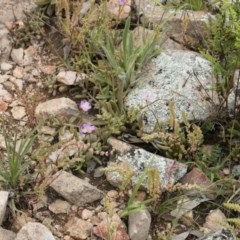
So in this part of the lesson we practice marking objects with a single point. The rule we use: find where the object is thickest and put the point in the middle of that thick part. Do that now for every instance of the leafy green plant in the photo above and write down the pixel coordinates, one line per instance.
(178, 143)
(195, 5)
(122, 65)
(13, 171)
(133, 206)
(210, 160)
(222, 48)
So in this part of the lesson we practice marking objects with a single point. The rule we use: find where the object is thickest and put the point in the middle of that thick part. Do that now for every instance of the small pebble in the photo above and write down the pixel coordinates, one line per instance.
(6, 66)
(74, 208)
(86, 214)
(226, 171)
(112, 194)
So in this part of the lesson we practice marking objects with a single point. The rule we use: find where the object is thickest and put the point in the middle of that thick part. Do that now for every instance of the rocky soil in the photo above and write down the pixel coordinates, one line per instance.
(89, 206)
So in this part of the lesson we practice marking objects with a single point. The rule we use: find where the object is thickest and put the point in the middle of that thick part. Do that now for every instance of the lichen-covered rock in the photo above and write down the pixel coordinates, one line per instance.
(224, 234)
(136, 159)
(184, 77)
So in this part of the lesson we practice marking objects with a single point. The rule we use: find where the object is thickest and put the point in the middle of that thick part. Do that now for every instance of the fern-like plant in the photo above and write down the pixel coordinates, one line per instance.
(222, 48)
(235, 207)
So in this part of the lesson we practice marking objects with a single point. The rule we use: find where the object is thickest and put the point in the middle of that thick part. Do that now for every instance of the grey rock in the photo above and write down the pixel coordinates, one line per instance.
(59, 206)
(56, 106)
(6, 234)
(74, 189)
(23, 57)
(139, 224)
(70, 77)
(183, 77)
(224, 234)
(137, 159)
(3, 204)
(34, 231)
(17, 55)
(12, 10)
(6, 66)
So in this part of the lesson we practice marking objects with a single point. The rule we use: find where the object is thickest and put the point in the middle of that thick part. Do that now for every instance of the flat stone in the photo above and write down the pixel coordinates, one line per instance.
(17, 55)
(215, 220)
(197, 177)
(78, 228)
(139, 225)
(18, 72)
(48, 69)
(23, 57)
(74, 189)
(136, 160)
(15, 10)
(6, 234)
(56, 107)
(70, 77)
(18, 112)
(6, 66)
(33, 231)
(59, 206)
(5, 95)
(183, 77)
(3, 204)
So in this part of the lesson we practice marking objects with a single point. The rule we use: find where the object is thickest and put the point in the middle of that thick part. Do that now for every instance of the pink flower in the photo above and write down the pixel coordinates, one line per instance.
(85, 105)
(121, 2)
(88, 128)
(147, 97)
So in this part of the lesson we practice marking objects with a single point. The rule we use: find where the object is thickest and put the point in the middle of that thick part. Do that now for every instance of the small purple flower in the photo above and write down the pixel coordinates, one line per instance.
(147, 97)
(121, 2)
(88, 128)
(85, 105)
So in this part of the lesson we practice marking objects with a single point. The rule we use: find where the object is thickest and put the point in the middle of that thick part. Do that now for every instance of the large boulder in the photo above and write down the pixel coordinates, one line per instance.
(184, 77)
